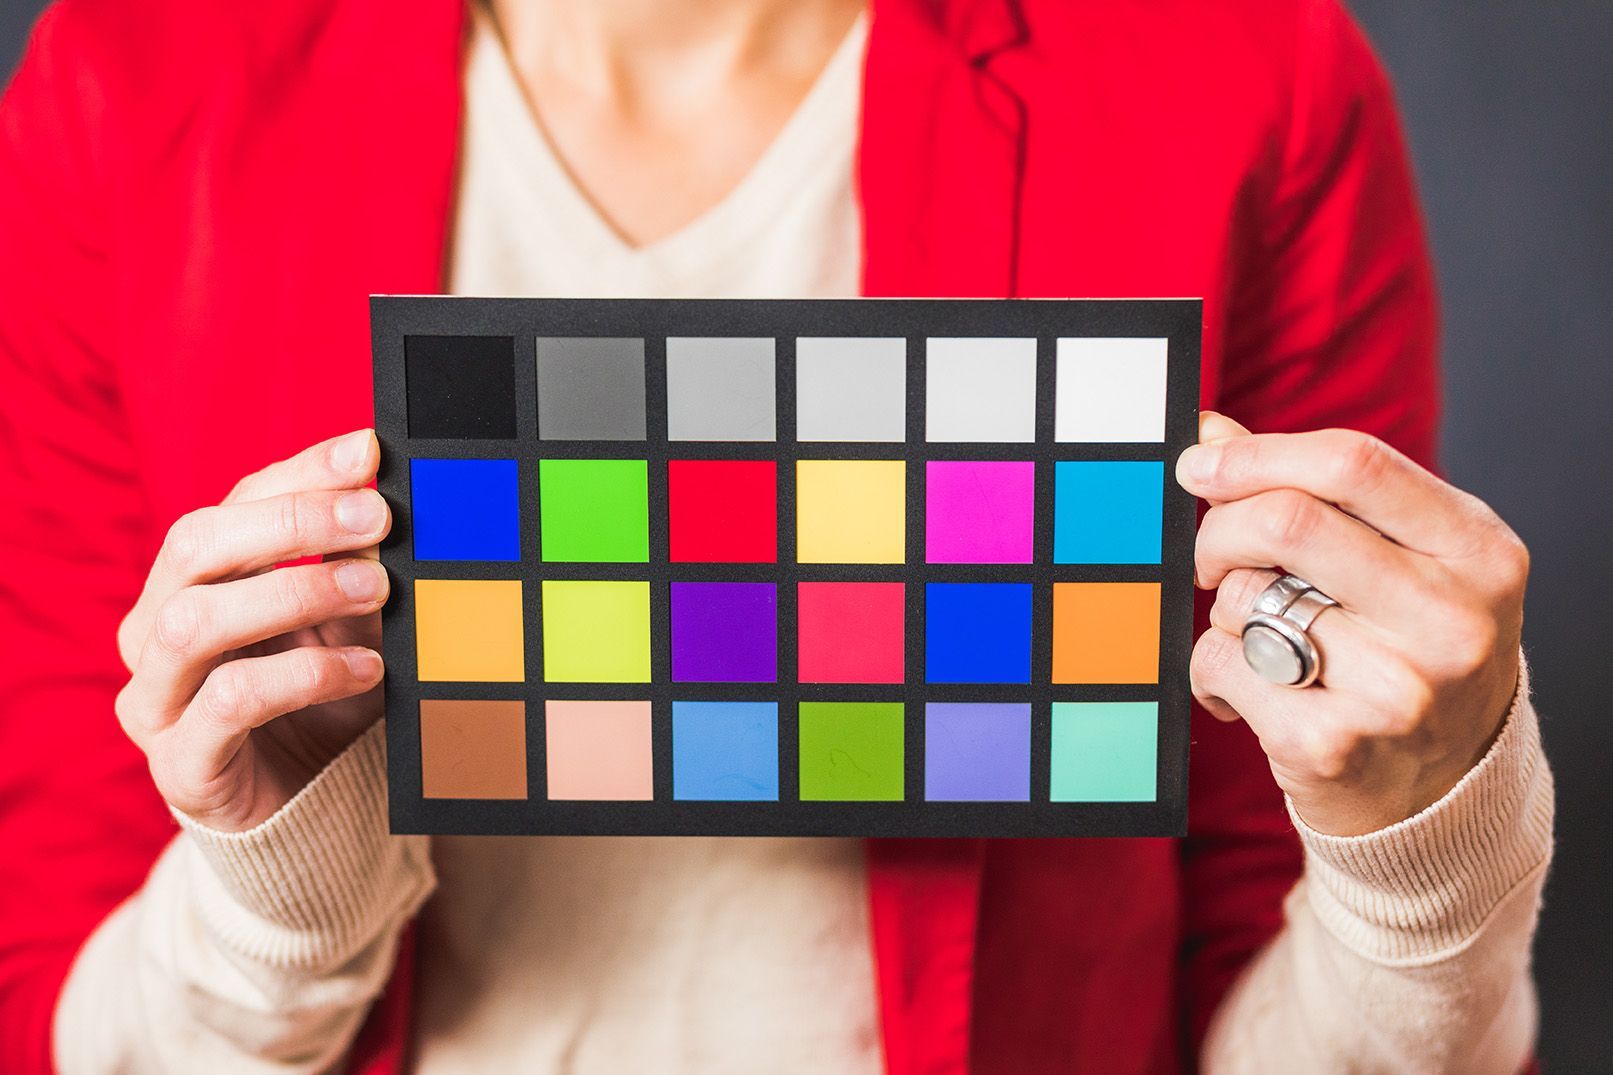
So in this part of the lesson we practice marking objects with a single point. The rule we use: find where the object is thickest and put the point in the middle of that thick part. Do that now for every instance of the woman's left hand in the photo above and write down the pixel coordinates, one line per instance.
(1420, 658)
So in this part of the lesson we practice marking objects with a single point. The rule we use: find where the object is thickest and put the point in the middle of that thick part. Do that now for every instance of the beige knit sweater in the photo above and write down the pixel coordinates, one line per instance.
(1405, 950)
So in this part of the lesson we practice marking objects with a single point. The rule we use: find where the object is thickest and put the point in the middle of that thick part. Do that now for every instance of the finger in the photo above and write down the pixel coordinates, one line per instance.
(1214, 426)
(1351, 655)
(344, 462)
(1339, 555)
(244, 694)
(200, 624)
(239, 539)
(1235, 597)
(1360, 473)
(1287, 721)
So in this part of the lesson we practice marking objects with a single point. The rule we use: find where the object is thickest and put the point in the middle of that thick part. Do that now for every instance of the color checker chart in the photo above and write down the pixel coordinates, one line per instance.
(867, 567)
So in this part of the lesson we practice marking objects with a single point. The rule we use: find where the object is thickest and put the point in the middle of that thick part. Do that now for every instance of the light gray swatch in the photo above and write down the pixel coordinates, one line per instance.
(590, 388)
(980, 389)
(720, 388)
(850, 388)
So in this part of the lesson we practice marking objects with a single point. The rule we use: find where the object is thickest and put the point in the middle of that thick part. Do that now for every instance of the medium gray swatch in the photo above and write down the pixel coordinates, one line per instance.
(720, 388)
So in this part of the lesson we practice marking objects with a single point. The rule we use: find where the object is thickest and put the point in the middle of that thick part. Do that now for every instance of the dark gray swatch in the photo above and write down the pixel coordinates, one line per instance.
(590, 388)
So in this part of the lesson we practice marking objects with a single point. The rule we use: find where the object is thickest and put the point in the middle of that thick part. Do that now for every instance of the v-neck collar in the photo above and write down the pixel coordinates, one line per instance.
(811, 143)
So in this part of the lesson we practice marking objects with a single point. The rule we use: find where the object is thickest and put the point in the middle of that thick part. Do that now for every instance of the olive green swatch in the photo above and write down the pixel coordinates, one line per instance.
(851, 751)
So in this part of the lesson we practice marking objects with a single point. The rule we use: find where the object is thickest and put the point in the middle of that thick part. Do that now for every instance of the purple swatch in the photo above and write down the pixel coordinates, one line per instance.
(978, 512)
(977, 752)
(724, 632)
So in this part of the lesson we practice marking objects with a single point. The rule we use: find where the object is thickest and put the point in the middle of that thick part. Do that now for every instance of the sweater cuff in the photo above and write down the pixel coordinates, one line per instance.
(1421, 889)
(322, 877)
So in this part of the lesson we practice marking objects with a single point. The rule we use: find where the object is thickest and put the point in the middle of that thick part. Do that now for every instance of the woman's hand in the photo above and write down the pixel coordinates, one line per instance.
(1420, 659)
(221, 644)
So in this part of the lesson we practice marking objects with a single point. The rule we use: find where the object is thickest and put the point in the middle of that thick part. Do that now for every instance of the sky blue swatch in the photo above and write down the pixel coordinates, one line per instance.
(1107, 512)
(977, 632)
(465, 509)
(725, 751)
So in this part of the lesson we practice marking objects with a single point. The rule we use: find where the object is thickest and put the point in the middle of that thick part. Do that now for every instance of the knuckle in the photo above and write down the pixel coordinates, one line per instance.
(1471, 643)
(1406, 698)
(186, 543)
(295, 522)
(1512, 562)
(294, 596)
(223, 698)
(1331, 754)
(131, 716)
(309, 676)
(1212, 656)
(1239, 590)
(1360, 460)
(129, 641)
(242, 490)
(178, 627)
(1288, 519)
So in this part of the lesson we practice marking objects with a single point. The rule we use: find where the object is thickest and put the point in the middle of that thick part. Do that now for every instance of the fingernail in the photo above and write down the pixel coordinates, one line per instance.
(361, 512)
(351, 452)
(1197, 464)
(360, 580)
(363, 663)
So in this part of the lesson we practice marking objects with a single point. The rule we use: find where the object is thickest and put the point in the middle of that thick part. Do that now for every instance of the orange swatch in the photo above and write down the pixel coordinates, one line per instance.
(1106, 632)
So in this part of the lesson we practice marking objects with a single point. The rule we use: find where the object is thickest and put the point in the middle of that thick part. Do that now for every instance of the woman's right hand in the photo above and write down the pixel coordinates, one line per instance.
(247, 679)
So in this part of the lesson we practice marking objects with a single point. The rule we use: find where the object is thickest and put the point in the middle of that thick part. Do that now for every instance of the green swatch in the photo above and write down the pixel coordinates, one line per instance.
(851, 751)
(594, 511)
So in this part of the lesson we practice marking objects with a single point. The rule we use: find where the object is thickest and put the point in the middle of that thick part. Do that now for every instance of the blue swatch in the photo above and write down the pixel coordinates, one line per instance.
(1107, 513)
(465, 509)
(977, 632)
(725, 751)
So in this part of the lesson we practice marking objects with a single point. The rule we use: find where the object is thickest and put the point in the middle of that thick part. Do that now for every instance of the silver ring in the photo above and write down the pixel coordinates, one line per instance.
(1275, 598)
(1278, 645)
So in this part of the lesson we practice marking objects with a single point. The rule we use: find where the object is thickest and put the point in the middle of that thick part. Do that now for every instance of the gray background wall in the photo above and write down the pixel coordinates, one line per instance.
(1509, 105)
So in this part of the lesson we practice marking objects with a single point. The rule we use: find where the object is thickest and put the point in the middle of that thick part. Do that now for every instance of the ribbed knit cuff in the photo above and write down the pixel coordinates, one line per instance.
(320, 879)
(1422, 888)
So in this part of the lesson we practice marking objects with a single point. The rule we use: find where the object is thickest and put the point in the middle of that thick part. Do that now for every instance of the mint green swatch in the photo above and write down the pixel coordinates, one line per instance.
(1105, 752)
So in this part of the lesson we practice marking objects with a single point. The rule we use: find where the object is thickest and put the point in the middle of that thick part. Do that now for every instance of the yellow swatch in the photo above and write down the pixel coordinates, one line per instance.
(468, 630)
(851, 511)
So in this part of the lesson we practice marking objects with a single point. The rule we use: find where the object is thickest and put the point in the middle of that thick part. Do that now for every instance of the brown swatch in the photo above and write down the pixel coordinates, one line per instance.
(472, 749)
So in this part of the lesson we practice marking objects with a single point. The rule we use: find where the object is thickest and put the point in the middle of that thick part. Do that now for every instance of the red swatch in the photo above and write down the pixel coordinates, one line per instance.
(723, 511)
(851, 632)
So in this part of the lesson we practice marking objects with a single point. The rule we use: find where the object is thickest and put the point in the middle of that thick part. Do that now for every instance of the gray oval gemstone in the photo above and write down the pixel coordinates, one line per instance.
(1271, 655)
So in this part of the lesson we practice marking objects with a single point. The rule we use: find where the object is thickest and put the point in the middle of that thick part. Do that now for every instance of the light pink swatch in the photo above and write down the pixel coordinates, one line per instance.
(599, 750)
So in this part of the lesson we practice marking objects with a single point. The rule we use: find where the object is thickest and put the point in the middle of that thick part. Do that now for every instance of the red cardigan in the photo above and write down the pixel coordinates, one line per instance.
(196, 196)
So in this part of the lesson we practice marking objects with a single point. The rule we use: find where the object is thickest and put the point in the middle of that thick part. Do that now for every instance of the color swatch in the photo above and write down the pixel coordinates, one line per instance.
(772, 567)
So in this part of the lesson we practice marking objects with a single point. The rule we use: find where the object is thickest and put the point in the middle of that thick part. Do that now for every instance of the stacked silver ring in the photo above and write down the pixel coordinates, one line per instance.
(1276, 639)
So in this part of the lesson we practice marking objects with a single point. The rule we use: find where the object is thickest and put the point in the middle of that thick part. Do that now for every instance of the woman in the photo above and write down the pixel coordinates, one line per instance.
(194, 201)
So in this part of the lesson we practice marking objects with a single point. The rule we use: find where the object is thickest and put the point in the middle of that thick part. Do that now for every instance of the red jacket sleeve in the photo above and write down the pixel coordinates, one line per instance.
(1332, 322)
(80, 823)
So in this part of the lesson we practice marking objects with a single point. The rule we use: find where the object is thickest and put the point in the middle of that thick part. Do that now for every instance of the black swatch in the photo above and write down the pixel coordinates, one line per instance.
(461, 386)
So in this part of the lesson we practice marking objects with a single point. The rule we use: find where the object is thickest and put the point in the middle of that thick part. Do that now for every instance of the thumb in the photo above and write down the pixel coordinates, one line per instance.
(1214, 426)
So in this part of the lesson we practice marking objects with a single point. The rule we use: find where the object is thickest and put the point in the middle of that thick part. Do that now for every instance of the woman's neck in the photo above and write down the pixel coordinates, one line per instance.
(647, 55)
(658, 108)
